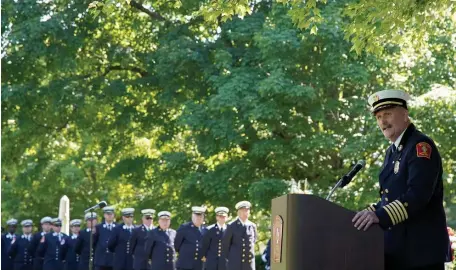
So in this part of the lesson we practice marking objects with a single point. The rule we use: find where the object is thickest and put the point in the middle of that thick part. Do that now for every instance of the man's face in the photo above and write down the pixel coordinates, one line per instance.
(27, 229)
(109, 217)
(392, 122)
(75, 229)
(91, 223)
(244, 213)
(221, 219)
(164, 222)
(56, 228)
(11, 229)
(127, 220)
(147, 220)
(198, 219)
(46, 227)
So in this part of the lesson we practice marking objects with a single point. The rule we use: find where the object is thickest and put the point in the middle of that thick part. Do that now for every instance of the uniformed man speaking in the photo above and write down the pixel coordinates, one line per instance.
(411, 189)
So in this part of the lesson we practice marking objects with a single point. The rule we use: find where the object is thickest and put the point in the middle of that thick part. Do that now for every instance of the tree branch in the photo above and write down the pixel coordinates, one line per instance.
(152, 14)
(142, 72)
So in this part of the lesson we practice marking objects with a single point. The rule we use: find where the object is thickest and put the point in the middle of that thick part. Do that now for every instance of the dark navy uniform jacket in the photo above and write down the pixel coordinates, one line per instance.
(19, 251)
(189, 243)
(267, 255)
(138, 244)
(7, 261)
(103, 257)
(119, 244)
(212, 247)
(82, 247)
(160, 249)
(72, 258)
(37, 260)
(411, 207)
(53, 250)
(239, 245)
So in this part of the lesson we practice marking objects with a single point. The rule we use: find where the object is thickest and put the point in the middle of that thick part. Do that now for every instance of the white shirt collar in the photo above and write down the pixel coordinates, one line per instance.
(150, 227)
(9, 235)
(398, 140)
(221, 227)
(74, 236)
(244, 223)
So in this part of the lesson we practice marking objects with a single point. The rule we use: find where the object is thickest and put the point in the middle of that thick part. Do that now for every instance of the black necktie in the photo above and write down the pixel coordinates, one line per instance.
(393, 148)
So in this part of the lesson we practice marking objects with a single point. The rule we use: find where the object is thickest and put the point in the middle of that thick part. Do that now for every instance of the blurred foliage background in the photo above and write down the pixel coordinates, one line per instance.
(169, 104)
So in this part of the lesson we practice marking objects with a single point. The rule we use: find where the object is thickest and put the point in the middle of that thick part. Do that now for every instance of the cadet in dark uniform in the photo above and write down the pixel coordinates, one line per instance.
(46, 228)
(138, 241)
(119, 242)
(239, 240)
(82, 246)
(104, 259)
(189, 241)
(19, 250)
(7, 238)
(212, 241)
(411, 189)
(266, 257)
(160, 244)
(53, 247)
(72, 258)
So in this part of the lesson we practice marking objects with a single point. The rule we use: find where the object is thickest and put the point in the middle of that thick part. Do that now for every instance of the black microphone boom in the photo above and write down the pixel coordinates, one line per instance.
(96, 206)
(346, 179)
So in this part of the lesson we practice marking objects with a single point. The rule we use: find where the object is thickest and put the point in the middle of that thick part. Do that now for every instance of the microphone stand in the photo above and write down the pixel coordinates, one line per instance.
(91, 251)
(339, 183)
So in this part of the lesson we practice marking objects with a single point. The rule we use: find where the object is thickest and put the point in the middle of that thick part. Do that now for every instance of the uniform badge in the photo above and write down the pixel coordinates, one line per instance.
(423, 149)
(218, 232)
(396, 166)
(62, 242)
(400, 148)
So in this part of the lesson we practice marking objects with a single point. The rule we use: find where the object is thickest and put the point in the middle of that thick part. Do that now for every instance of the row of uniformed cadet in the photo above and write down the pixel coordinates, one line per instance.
(127, 247)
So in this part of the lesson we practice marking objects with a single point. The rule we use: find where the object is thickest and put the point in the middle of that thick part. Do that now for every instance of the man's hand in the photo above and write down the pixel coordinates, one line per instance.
(365, 219)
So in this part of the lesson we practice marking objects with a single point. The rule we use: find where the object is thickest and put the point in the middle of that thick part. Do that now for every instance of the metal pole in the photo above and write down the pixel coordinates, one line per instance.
(91, 243)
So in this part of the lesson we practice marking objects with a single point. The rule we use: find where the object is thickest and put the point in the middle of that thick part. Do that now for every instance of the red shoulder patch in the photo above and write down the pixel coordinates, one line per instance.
(423, 149)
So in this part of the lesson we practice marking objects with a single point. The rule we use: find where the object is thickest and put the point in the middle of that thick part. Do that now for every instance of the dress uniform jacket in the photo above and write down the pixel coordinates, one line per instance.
(72, 258)
(212, 248)
(103, 257)
(37, 259)
(138, 244)
(267, 255)
(160, 249)
(82, 248)
(53, 250)
(411, 206)
(7, 261)
(119, 244)
(19, 251)
(239, 245)
(188, 243)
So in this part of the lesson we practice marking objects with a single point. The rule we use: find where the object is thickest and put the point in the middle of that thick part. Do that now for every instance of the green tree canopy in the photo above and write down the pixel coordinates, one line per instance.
(168, 104)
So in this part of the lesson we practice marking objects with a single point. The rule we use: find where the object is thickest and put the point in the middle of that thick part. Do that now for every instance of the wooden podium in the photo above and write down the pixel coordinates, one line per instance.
(310, 233)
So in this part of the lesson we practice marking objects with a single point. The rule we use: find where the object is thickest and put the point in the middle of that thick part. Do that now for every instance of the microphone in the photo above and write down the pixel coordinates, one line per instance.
(96, 206)
(346, 179)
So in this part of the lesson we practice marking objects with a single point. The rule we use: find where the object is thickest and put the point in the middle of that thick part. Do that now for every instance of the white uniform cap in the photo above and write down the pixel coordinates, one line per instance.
(222, 211)
(243, 204)
(198, 210)
(75, 222)
(90, 215)
(148, 212)
(11, 222)
(164, 214)
(387, 99)
(108, 209)
(127, 211)
(56, 221)
(26, 223)
(46, 220)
